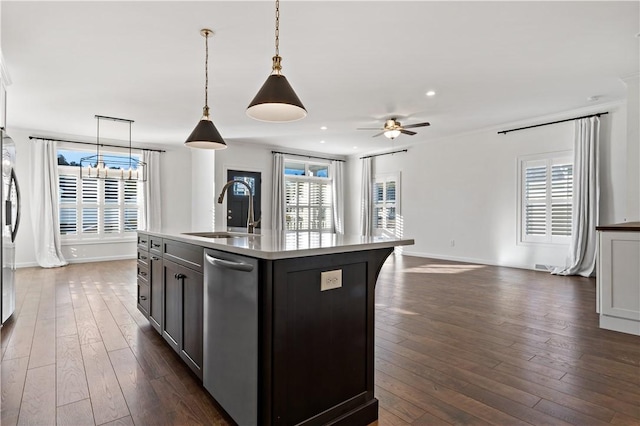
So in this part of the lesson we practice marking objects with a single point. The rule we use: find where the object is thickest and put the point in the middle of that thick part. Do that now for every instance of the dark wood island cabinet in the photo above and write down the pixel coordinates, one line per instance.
(315, 335)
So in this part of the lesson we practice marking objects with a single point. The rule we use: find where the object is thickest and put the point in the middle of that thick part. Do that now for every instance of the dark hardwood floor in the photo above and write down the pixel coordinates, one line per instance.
(456, 343)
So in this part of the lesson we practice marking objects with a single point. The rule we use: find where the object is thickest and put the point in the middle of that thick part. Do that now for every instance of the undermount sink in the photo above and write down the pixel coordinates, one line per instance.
(220, 234)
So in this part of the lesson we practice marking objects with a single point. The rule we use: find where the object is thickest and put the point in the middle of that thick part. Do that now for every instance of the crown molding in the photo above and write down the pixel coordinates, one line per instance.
(630, 77)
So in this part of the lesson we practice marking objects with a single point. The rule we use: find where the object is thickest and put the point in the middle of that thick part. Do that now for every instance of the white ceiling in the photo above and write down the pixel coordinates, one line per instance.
(353, 64)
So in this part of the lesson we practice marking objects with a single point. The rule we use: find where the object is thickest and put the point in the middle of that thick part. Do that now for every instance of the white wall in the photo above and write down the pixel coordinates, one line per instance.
(176, 204)
(464, 188)
(245, 157)
(633, 147)
(202, 189)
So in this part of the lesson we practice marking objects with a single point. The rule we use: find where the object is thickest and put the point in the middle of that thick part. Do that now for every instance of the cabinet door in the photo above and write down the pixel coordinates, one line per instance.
(155, 283)
(620, 274)
(182, 323)
(172, 304)
(192, 321)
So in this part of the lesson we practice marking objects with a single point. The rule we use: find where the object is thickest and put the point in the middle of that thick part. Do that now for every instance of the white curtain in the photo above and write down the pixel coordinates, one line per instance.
(278, 202)
(45, 213)
(338, 196)
(366, 195)
(586, 197)
(152, 194)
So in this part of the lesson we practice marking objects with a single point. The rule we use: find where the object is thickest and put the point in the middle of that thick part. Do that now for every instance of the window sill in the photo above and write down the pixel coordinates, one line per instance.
(132, 239)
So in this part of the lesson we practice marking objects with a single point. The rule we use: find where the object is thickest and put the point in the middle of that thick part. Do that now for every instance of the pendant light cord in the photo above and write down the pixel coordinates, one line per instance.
(206, 74)
(277, 27)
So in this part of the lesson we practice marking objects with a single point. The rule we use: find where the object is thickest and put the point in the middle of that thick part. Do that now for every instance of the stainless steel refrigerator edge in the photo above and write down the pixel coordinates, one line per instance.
(230, 370)
(10, 216)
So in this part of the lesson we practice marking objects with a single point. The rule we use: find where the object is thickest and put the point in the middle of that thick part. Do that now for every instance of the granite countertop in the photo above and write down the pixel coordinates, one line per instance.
(625, 226)
(287, 244)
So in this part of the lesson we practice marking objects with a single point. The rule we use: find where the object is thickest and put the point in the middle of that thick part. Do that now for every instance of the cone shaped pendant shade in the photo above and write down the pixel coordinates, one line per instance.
(205, 135)
(276, 101)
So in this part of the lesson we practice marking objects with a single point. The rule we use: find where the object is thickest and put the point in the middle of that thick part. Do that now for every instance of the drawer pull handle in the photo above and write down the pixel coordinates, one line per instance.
(155, 258)
(143, 241)
(143, 297)
(143, 257)
(144, 274)
(179, 276)
(155, 245)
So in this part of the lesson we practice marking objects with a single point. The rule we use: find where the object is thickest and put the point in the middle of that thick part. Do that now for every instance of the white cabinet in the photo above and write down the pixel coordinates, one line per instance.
(619, 280)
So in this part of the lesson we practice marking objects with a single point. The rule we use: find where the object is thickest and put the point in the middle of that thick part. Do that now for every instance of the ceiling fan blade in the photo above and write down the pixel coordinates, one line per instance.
(377, 134)
(417, 125)
(407, 132)
(368, 128)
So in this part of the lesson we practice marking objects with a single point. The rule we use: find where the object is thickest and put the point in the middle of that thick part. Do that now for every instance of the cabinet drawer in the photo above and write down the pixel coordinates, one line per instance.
(143, 257)
(143, 241)
(143, 273)
(155, 245)
(143, 298)
(184, 254)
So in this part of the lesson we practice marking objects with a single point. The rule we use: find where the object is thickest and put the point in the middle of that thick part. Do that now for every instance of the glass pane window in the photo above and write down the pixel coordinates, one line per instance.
(241, 190)
(319, 170)
(294, 168)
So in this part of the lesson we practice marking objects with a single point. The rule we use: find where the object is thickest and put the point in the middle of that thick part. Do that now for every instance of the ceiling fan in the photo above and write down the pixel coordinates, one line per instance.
(392, 128)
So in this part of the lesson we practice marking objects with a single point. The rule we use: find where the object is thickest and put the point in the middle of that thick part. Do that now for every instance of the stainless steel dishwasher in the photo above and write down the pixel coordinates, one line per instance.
(230, 371)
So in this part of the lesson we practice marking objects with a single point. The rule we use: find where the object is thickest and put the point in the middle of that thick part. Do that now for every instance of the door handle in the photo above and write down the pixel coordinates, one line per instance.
(221, 263)
(143, 297)
(179, 276)
(14, 231)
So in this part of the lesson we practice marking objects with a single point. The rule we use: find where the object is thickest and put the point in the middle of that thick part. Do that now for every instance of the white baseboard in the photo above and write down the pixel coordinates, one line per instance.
(82, 260)
(467, 260)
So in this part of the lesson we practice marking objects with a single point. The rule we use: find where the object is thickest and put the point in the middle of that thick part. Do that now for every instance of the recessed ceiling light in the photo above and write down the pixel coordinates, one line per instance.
(355, 147)
(323, 128)
(431, 93)
(593, 98)
(321, 141)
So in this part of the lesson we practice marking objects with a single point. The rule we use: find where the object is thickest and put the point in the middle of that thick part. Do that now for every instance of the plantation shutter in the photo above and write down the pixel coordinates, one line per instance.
(68, 200)
(547, 199)
(535, 195)
(561, 199)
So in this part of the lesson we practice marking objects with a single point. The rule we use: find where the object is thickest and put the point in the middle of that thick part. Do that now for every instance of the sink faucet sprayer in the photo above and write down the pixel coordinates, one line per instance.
(251, 223)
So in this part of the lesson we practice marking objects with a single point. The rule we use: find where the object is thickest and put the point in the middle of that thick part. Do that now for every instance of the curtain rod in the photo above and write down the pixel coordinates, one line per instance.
(385, 153)
(90, 143)
(308, 156)
(504, 132)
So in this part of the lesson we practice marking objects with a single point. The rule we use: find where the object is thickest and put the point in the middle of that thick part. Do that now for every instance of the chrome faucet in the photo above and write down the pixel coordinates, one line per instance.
(251, 223)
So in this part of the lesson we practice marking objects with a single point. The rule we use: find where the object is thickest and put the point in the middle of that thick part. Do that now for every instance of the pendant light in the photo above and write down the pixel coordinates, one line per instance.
(276, 101)
(110, 166)
(205, 135)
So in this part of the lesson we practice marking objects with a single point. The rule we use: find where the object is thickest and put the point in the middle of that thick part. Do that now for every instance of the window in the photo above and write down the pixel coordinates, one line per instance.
(95, 209)
(386, 204)
(546, 198)
(308, 196)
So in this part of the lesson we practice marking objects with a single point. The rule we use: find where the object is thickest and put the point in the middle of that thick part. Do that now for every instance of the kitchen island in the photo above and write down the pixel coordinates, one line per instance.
(279, 326)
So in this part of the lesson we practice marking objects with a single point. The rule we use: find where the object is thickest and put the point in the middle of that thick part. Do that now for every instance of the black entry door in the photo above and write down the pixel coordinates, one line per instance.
(238, 198)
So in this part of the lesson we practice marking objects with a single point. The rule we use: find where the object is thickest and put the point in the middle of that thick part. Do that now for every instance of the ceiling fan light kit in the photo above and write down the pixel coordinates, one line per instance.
(276, 100)
(393, 128)
(205, 135)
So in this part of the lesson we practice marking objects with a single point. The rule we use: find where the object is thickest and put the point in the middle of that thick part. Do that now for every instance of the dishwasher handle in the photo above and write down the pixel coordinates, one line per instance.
(221, 263)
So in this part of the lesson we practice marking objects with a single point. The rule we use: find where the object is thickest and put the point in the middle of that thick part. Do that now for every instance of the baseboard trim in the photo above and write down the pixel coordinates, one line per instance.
(82, 260)
(467, 260)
